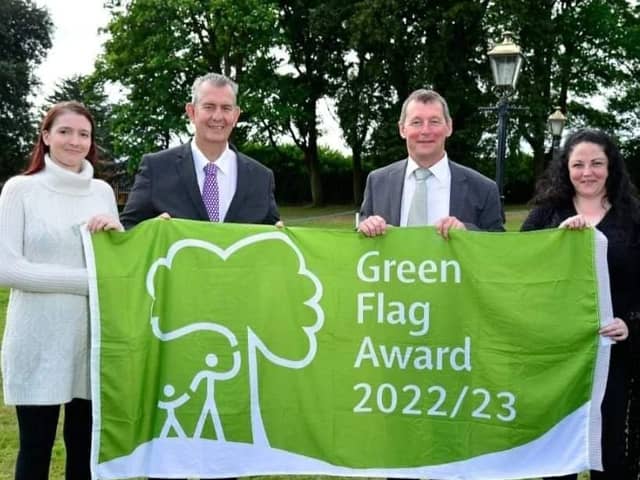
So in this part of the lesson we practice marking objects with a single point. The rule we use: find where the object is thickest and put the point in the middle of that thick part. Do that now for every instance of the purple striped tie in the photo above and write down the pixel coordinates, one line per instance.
(210, 193)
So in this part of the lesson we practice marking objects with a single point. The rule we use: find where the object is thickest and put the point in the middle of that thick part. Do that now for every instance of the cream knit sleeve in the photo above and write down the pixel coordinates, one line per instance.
(15, 270)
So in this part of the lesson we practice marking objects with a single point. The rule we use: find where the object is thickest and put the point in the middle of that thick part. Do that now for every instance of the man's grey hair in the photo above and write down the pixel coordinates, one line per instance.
(425, 96)
(215, 79)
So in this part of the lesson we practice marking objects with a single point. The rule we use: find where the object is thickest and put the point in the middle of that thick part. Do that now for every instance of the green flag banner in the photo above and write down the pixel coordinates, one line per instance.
(235, 350)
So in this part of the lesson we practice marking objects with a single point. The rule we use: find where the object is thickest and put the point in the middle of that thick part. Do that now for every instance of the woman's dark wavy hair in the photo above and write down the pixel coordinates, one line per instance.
(555, 187)
(36, 160)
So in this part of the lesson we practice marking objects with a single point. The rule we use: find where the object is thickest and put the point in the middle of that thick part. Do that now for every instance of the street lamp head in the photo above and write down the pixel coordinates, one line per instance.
(556, 122)
(506, 61)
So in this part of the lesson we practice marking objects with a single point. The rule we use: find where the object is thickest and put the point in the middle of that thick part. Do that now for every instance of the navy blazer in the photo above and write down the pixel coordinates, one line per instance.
(167, 182)
(474, 199)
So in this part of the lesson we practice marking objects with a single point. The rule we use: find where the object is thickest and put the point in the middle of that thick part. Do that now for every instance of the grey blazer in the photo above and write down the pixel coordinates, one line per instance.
(166, 182)
(475, 200)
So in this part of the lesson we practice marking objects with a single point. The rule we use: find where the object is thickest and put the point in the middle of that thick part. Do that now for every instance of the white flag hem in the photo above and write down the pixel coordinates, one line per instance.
(604, 349)
(94, 315)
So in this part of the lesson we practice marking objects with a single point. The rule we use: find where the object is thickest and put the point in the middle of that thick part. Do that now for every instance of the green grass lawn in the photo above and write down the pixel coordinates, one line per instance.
(342, 216)
(8, 429)
(328, 217)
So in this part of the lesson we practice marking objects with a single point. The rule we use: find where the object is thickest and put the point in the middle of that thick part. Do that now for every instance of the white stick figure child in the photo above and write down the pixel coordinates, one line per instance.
(170, 406)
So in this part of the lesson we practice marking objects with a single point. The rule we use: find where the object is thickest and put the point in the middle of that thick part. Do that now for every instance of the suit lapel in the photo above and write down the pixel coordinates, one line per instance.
(396, 185)
(242, 187)
(187, 174)
(458, 190)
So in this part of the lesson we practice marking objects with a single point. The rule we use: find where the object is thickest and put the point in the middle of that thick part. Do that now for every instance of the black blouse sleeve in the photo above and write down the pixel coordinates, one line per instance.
(538, 219)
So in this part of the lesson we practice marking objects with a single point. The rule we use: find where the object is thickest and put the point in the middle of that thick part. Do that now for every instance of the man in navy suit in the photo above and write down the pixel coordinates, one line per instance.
(170, 183)
(451, 197)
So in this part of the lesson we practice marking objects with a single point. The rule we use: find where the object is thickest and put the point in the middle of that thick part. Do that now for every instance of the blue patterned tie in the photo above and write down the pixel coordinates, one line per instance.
(418, 214)
(210, 192)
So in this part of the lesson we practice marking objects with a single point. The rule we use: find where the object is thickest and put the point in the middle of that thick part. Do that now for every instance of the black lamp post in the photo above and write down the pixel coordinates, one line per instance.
(556, 124)
(506, 61)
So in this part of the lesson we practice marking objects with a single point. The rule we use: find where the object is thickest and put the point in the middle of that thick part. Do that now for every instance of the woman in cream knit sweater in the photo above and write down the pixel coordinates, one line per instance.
(45, 350)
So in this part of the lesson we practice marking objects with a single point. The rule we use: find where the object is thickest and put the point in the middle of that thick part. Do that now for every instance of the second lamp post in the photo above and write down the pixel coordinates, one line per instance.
(556, 125)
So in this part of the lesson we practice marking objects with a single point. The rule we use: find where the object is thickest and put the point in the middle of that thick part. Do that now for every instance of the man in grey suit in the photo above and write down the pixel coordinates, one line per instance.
(206, 178)
(427, 188)
(171, 183)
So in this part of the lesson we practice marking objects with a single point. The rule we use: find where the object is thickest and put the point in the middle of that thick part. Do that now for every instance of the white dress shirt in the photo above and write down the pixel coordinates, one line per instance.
(227, 175)
(438, 190)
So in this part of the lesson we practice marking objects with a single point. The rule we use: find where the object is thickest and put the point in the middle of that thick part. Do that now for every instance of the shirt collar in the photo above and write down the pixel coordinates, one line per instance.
(440, 170)
(222, 162)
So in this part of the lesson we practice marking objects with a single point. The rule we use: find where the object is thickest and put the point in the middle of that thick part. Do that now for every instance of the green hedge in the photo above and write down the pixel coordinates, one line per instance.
(292, 179)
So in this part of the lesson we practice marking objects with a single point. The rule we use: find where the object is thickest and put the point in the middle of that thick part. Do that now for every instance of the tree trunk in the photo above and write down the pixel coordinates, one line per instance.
(313, 167)
(539, 161)
(357, 176)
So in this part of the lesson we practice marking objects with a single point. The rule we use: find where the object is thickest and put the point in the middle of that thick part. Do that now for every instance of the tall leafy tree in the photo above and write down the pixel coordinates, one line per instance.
(301, 70)
(25, 37)
(576, 50)
(360, 100)
(421, 44)
(363, 93)
(368, 56)
(157, 48)
(282, 54)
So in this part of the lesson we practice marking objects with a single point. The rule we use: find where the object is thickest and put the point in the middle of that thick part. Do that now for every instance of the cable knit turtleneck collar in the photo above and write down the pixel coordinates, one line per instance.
(62, 180)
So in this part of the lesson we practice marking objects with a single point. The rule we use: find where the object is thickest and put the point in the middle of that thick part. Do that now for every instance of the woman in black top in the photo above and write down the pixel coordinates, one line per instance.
(588, 186)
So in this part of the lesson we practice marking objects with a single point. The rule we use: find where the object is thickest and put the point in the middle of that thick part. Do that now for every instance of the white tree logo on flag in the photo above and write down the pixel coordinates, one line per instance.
(209, 376)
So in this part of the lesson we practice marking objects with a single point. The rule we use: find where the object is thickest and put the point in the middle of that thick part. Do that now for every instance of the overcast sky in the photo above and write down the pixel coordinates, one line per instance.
(76, 42)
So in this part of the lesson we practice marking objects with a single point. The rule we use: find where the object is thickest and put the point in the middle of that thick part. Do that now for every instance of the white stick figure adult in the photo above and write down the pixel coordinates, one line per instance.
(210, 408)
(170, 406)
